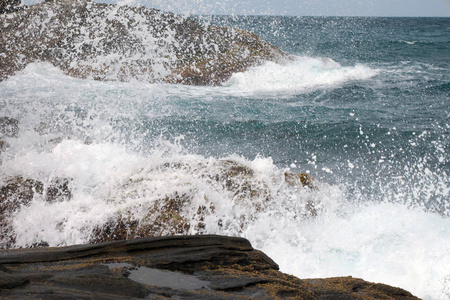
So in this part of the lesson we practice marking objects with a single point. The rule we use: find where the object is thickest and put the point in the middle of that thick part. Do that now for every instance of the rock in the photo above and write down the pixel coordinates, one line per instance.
(3, 144)
(10, 281)
(14, 194)
(58, 190)
(211, 267)
(299, 178)
(18, 192)
(110, 42)
(173, 214)
(9, 127)
(163, 218)
(9, 6)
(166, 214)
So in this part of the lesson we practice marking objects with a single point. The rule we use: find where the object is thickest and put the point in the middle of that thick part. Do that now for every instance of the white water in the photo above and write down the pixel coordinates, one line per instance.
(388, 243)
(299, 75)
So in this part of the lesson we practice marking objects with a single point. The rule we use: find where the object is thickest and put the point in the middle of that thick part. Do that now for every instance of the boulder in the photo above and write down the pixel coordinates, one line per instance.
(183, 267)
(173, 214)
(110, 42)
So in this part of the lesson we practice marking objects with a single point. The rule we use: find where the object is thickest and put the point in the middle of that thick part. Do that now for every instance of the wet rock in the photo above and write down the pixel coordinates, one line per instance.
(11, 281)
(9, 6)
(227, 267)
(14, 194)
(3, 144)
(164, 217)
(42, 128)
(109, 42)
(299, 178)
(173, 214)
(58, 190)
(9, 127)
(18, 192)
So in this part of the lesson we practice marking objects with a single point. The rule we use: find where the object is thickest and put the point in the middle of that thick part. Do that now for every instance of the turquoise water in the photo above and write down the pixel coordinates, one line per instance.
(385, 124)
(363, 106)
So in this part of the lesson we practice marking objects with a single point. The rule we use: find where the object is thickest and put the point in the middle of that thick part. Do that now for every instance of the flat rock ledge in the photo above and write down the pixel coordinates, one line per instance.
(183, 267)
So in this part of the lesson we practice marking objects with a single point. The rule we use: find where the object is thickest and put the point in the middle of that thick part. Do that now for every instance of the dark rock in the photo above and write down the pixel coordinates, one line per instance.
(11, 281)
(16, 192)
(42, 128)
(9, 127)
(19, 191)
(80, 37)
(163, 218)
(228, 267)
(58, 190)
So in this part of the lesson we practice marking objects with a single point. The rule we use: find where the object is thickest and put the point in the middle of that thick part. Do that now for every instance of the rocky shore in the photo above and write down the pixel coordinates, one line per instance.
(111, 42)
(129, 259)
(183, 267)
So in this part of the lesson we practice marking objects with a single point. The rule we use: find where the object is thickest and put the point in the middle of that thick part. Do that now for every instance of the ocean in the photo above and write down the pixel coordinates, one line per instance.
(363, 108)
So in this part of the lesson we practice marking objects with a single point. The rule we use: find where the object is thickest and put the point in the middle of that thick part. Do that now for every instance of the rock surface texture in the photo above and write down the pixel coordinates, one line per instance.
(183, 267)
(111, 42)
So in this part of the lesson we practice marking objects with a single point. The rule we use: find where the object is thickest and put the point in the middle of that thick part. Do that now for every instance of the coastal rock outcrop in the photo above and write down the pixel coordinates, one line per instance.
(180, 212)
(111, 42)
(150, 212)
(183, 267)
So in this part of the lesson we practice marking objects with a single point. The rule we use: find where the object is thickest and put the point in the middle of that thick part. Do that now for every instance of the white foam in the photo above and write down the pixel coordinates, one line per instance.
(299, 75)
(387, 243)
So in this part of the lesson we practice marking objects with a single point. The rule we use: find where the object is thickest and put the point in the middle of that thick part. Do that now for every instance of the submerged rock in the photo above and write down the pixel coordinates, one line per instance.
(111, 42)
(211, 267)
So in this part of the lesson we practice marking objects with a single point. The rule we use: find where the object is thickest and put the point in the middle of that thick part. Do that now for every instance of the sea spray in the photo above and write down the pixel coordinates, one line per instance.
(296, 76)
(374, 136)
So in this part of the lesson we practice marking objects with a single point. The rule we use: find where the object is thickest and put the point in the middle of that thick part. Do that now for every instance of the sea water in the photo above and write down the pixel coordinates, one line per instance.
(363, 107)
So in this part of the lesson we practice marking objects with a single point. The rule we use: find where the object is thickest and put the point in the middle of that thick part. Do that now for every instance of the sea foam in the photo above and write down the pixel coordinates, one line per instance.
(296, 76)
(97, 134)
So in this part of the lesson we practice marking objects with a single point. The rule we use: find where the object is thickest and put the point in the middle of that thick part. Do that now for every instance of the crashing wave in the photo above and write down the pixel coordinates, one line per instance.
(112, 42)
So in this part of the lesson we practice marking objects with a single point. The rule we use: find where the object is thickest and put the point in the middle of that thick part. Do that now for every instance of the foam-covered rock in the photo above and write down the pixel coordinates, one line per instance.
(9, 127)
(182, 212)
(110, 42)
(9, 6)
